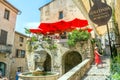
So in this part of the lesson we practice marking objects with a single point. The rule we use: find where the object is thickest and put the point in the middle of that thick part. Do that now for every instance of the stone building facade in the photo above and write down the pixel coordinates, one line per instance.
(19, 61)
(117, 10)
(8, 15)
(117, 16)
(63, 58)
(54, 10)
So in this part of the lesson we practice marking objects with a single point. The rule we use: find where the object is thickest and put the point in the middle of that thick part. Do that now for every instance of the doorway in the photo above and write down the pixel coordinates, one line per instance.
(2, 68)
(71, 60)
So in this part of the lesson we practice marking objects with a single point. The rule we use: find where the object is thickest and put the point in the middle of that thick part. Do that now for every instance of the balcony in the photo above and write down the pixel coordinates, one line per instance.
(5, 48)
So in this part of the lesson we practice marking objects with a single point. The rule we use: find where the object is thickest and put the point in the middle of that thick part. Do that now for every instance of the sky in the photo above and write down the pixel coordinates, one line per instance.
(30, 16)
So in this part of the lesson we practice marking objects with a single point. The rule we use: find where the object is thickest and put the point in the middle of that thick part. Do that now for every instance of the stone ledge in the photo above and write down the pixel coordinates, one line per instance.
(77, 72)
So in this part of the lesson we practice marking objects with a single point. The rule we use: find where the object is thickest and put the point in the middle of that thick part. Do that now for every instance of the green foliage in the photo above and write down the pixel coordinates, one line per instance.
(93, 41)
(34, 38)
(52, 47)
(116, 76)
(115, 68)
(76, 36)
(27, 31)
(71, 42)
(30, 43)
(48, 40)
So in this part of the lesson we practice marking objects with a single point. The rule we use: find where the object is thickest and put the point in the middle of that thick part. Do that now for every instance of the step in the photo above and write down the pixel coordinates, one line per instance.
(94, 78)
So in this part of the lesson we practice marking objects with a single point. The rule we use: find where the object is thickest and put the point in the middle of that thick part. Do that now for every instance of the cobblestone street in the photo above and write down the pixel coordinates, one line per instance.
(100, 73)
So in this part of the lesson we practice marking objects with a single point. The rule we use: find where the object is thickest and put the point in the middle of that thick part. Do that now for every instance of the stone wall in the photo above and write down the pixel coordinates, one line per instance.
(50, 12)
(7, 62)
(9, 26)
(58, 57)
(77, 72)
(117, 16)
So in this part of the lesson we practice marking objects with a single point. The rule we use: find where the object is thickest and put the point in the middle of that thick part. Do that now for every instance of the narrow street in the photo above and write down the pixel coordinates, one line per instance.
(100, 73)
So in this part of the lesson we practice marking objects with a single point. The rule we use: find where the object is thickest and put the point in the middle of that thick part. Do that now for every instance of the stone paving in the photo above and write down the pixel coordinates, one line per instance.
(100, 73)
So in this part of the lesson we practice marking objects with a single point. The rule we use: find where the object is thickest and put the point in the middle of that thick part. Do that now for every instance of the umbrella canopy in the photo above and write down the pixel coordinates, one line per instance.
(39, 31)
(78, 23)
(36, 31)
(47, 28)
(60, 26)
(57, 27)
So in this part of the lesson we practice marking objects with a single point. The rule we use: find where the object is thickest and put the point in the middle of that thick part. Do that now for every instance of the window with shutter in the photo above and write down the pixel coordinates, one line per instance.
(3, 37)
(6, 14)
(20, 53)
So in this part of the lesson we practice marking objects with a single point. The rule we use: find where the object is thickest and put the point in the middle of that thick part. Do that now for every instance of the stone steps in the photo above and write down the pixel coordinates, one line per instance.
(95, 78)
(98, 73)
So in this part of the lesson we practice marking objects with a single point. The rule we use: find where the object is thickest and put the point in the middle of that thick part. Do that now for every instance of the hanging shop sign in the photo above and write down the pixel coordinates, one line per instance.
(100, 12)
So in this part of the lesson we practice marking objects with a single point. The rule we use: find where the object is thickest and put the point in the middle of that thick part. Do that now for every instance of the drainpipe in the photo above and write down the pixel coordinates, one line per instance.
(82, 8)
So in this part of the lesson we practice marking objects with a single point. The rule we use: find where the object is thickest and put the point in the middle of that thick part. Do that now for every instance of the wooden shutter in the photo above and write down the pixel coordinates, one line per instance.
(3, 37)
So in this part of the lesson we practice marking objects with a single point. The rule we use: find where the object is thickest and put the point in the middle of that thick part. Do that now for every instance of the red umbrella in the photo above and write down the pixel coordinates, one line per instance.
(46, 27)
(35, 31)
(89, 30)
(57, 27)
(79, 23)
(69, 26)
(60, 26)
(39, 31)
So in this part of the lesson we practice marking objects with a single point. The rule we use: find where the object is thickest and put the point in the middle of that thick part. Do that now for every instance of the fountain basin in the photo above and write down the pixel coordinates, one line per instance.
(44, 76)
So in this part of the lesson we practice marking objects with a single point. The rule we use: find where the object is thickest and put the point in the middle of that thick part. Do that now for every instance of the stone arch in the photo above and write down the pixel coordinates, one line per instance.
(3, 68)
(47, 63)
(43, 60)
(70, 60)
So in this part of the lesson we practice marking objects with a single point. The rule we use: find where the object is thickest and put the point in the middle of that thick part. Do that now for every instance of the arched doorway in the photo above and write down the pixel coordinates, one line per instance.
(2, 68)
(47, 63)
(71, 60)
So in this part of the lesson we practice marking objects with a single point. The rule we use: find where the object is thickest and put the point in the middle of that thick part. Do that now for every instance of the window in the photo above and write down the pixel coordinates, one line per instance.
(21, 39)
(6, 14)
(3, 37)
(60, 14)
(21, 45)
(20, 53)
(20, 69)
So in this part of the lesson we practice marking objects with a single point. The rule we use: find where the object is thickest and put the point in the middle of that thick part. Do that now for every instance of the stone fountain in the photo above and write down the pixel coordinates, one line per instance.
(36, 60)
(38, 75)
